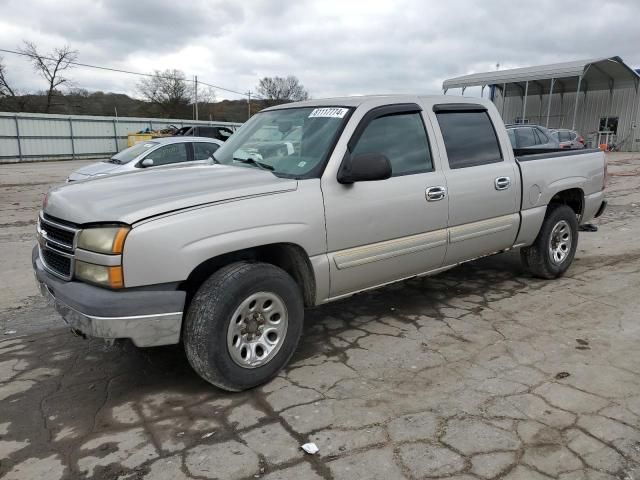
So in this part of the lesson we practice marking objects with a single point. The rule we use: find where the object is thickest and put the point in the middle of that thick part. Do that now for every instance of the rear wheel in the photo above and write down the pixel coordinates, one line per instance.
(243, 325)
(555, 246)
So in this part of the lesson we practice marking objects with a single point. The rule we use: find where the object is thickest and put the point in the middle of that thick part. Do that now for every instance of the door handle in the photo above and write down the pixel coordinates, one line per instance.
(434, 194)
(502, 183)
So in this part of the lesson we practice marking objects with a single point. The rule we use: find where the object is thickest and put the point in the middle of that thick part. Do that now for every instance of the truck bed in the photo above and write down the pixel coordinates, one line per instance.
(543, 174)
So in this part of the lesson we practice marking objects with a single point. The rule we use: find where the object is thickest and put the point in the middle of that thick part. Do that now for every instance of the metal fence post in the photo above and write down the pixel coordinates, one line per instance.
(73, 147)
(15, 118)
(115, 135)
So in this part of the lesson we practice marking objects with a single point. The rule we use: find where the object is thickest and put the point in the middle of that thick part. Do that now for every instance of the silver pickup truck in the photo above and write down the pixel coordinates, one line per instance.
(224, 258)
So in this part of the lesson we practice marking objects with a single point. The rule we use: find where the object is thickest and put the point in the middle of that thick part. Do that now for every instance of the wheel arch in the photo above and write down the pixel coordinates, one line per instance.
(290, 257)
(572, 197)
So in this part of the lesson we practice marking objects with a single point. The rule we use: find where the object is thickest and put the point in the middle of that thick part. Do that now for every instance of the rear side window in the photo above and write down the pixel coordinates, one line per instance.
(469, 138)
(402, 139)
(204, 150)
(207, 132)
(526, 137)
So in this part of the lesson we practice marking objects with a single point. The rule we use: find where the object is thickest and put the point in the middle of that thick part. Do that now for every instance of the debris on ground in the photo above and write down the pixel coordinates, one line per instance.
(310, 448)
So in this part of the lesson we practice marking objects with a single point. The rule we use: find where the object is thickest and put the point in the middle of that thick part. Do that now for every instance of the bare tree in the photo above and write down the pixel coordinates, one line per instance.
(282, 90)
(5, 88)
(13, 98)
(168, 90)
(50, 66)
(206, 102)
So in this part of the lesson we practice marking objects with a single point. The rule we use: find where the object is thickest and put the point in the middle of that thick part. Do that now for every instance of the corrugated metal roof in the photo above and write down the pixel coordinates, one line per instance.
(597, 74)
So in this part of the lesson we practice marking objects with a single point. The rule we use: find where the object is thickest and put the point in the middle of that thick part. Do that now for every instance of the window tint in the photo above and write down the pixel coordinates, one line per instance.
(402, 139)
(206, 131)
(204, 150)
(542, 134)
(469, 138)
(512, 137)
(526, 137)
(564, 136)
(169, 154)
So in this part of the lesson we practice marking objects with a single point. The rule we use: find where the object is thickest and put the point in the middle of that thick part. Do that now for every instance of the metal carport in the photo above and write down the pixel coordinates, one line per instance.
(572, 83)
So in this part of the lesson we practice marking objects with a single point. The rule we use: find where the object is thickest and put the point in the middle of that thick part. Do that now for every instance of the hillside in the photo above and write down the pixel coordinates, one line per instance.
(81, 102)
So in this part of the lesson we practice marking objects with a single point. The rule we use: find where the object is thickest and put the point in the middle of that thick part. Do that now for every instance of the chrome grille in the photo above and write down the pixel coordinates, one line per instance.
(57, 242)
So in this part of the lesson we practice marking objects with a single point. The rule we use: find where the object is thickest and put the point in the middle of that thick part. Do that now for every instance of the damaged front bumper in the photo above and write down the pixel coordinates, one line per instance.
(149, 316)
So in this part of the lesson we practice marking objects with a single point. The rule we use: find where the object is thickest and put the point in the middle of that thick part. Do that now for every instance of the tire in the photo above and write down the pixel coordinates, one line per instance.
(220, 325)
(547, 258)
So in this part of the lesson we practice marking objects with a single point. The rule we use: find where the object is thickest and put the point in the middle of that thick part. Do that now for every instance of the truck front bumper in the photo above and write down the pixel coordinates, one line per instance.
(149, 317)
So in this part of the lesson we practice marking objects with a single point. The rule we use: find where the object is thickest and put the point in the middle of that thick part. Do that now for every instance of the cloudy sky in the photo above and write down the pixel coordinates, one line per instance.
(343, 47)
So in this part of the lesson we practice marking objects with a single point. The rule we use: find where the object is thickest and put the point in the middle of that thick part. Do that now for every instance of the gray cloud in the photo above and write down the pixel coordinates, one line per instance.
(334, 47)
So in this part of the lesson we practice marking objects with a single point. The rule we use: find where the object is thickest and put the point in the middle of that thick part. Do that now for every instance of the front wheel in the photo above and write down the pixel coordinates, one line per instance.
(555, 246)
(243, 325)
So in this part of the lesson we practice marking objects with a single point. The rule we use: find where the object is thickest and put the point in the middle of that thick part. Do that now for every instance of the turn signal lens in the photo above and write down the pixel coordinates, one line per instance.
(102, 275)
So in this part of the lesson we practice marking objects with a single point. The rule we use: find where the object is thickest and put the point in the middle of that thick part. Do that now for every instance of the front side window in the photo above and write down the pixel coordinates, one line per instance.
(402, 139)
(289, 142)
(469, 138)
(167, 154)
(128, 154)
(204, 150)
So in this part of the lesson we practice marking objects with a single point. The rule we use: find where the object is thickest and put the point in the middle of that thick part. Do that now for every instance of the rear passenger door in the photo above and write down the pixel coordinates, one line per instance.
(385, 230)
(483, 186)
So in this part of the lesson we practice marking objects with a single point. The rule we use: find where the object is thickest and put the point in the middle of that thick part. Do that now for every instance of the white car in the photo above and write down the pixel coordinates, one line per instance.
(150, 154)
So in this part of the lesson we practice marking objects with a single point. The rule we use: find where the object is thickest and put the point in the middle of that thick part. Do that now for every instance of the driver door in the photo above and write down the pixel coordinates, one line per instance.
(385, 230)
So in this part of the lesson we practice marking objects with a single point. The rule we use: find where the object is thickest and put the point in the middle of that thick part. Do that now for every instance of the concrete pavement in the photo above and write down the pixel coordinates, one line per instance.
(481, 372)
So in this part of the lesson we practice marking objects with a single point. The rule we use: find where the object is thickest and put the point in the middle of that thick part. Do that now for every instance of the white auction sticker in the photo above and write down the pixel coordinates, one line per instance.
(329, 112)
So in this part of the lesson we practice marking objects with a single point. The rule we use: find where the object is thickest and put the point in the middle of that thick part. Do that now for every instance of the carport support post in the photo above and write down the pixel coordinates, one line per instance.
(553, 80)
(575, 107)
(504, 99)
(524, 101)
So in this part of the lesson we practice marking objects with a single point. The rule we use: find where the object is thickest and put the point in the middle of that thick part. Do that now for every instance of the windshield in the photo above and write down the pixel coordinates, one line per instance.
(128, 154)
(292, 142)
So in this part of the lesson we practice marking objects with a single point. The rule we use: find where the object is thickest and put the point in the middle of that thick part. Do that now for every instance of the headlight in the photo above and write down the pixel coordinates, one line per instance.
(100, 274)
(109, 240)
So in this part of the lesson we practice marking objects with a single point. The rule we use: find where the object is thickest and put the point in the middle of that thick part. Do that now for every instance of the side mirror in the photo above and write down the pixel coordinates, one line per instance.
(364, 168)
(147, 162)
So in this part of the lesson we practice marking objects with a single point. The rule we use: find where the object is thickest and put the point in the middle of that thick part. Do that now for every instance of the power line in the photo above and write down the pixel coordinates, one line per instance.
(110, 69)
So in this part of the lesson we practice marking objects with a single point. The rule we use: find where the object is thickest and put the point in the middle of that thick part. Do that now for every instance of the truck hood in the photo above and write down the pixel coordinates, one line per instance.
(133, 196)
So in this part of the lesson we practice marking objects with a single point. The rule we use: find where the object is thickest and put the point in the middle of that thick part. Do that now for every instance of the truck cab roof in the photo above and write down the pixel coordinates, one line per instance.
(360, 100)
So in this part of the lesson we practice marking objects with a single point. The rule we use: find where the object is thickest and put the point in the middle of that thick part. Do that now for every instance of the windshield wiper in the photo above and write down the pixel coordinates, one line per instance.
(253, 161)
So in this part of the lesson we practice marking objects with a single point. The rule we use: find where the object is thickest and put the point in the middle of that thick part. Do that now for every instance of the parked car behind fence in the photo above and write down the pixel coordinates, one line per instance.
(152, 153)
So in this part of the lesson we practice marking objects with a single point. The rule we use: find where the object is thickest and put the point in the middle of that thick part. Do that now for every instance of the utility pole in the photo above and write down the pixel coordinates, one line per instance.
(196, 92)
(248, 104)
